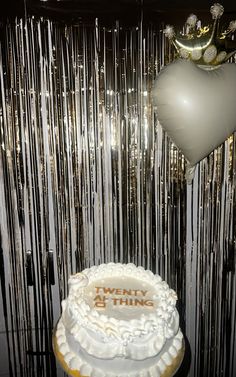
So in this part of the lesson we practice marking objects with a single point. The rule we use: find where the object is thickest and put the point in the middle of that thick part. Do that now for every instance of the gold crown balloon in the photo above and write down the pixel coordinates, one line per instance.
(207, 46)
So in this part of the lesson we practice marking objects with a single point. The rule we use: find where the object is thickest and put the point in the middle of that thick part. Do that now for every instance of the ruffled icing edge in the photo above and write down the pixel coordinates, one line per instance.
(136, 349)
(75, 362)
(77, 311)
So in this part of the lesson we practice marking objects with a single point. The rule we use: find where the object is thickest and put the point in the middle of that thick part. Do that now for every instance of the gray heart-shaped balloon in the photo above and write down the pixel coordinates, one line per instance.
(196, 107)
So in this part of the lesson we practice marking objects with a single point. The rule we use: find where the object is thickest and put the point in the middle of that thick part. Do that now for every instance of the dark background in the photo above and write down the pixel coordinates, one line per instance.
(128, 11)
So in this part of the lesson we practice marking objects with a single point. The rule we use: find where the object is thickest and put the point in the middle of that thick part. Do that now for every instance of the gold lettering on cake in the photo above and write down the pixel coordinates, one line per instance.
(110, 291)
(127, 292)
(120, 291)
(98, 298)
(149, 303)
(100, 301)
(123, 301)
(97, 289)
(144, 293)
(138, 302)
(132, 302)
(136, 297)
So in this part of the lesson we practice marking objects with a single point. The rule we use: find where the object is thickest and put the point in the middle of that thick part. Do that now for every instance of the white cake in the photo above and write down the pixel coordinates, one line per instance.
(119, 320)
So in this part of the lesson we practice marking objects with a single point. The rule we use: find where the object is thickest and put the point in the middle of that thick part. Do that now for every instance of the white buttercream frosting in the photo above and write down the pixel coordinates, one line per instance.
(119, 319)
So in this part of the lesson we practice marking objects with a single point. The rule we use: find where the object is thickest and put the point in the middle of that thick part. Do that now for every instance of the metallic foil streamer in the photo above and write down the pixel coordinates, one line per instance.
(88, 176)
(211, 264)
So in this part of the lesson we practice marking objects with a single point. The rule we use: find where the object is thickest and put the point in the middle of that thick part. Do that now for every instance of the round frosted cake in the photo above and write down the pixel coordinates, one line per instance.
(119, 320)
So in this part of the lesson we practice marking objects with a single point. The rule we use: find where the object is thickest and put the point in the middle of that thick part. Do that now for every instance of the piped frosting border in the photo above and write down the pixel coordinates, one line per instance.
(76, 312)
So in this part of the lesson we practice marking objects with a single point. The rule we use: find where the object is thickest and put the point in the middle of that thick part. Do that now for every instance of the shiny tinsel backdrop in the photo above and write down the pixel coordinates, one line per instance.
(89, 176)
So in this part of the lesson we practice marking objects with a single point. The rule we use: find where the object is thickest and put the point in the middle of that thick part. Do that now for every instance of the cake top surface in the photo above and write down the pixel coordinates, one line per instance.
(119, 301)
(122, 298)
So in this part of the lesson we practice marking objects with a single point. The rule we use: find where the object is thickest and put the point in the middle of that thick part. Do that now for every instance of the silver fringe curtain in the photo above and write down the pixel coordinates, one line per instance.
(88, 176)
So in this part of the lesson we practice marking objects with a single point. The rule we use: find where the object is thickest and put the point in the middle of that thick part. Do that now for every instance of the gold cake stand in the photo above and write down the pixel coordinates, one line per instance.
(169, 372)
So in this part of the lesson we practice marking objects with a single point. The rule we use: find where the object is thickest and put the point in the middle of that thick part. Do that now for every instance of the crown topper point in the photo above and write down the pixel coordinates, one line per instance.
(216, 10)
(192, 20)
(205, 46)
